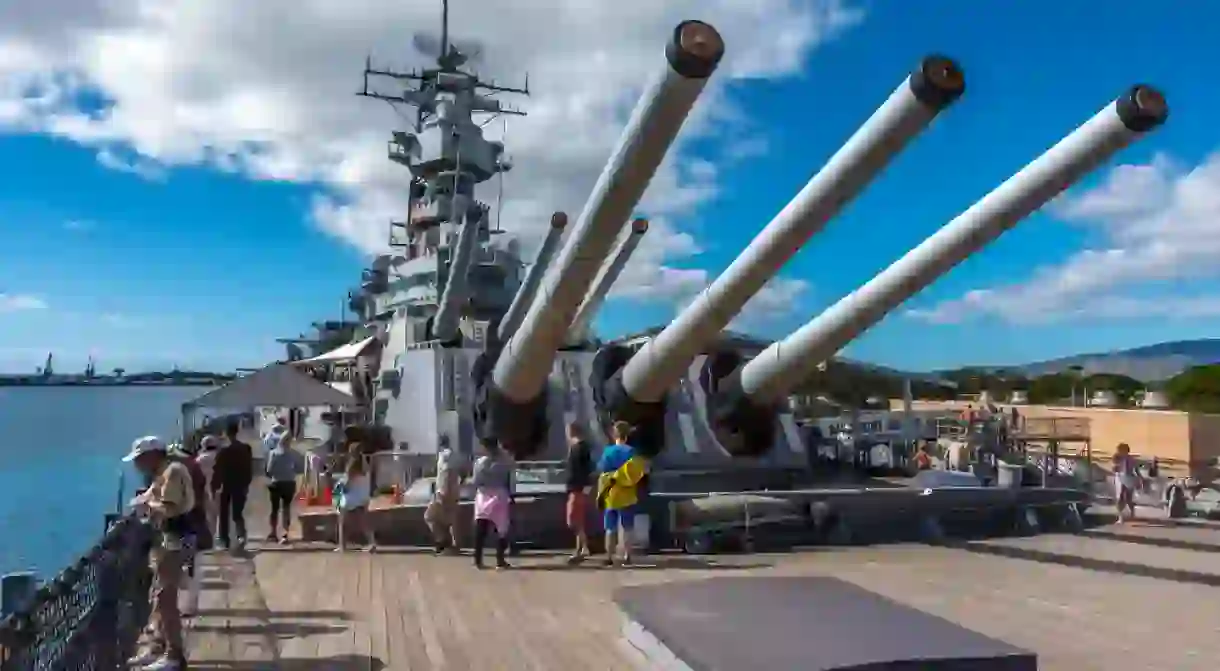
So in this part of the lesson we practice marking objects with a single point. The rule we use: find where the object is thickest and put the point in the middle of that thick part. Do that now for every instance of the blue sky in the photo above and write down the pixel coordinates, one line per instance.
(173, 261)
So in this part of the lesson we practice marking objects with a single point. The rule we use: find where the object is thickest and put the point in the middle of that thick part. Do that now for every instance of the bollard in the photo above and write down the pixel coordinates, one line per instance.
(16, 592)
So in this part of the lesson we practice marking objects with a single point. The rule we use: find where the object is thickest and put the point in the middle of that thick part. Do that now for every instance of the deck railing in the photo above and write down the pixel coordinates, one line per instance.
(89, 617)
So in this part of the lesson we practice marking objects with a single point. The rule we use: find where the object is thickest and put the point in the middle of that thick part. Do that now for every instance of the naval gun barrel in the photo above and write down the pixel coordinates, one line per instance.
(522, 368)
(449, 315)
(533, 277)
(605, 281)
(649, 375)
(781, 367)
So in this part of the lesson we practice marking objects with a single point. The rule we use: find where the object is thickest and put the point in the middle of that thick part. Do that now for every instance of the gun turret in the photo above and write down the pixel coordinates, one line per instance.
(579, 333)
(511, 404)
(743, 400)
(634, 388)
(449, 315)
(533, 277)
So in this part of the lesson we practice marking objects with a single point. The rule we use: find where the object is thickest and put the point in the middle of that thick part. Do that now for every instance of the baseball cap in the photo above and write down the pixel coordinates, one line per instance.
(145, 445)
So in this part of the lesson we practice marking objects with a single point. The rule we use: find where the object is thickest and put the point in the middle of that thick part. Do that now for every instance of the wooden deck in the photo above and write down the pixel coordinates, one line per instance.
(1134, 597)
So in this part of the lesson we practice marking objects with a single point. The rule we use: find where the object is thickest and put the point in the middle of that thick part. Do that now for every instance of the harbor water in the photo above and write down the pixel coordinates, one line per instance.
(60, 462)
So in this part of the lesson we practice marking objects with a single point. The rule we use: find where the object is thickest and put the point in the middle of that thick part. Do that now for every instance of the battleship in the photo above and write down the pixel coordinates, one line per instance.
(459, 339)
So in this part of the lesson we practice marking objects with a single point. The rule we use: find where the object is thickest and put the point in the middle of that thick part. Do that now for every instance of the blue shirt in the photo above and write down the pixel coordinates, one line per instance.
(613, 457)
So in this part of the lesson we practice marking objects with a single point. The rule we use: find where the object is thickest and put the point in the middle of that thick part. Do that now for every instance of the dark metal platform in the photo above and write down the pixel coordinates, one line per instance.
(799, 624)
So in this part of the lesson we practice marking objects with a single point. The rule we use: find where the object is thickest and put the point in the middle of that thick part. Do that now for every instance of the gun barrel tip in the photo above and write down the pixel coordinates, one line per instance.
(639, 226)
(1143, 108)
(938, 81)
(559, 220)
(695, 50)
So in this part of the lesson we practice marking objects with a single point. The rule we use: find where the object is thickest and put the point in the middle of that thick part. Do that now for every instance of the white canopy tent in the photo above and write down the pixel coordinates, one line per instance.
(342, 354)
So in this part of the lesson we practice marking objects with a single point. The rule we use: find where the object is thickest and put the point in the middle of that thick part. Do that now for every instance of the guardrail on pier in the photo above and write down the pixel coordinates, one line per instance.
(89, 617)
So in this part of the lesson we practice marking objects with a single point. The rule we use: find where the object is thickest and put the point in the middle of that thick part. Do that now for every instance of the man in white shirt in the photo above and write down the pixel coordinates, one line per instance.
(441, 514)
(272, 438)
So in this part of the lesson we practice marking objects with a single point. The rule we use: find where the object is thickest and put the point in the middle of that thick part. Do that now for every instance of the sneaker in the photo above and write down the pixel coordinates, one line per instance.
(272, 537)
(479, 565)
(164, 663)
(608, 562)
(503, 566)
(284, 540)
(576, 559)
(144, 658)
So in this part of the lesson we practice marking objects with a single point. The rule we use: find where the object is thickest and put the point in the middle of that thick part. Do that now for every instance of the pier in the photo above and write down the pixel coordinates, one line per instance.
(1142, 595)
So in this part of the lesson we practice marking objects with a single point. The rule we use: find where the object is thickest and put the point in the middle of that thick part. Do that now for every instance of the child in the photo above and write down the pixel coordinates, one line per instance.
(493, 482)
(621, 471)
(353, 494)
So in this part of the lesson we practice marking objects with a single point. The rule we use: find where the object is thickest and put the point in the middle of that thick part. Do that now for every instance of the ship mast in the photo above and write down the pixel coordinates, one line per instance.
(447, 156)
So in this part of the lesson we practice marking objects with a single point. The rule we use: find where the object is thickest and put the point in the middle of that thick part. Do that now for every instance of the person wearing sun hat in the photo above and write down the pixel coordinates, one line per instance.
(168, 503)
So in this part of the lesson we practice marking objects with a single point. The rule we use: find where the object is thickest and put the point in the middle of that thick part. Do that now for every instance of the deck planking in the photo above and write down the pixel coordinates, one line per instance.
(1135, 597)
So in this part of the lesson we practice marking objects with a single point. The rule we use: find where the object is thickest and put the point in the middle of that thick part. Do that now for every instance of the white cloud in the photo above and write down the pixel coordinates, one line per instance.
(264, 88)
(20, 303)
(774, 303)
(1160, 223)
(111, 158)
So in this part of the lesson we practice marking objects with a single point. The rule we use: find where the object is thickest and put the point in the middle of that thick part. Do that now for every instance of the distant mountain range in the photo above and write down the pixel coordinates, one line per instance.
(1149, 364)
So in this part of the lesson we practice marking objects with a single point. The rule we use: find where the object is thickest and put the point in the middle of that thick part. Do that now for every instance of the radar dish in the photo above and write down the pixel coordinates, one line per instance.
(471, 49)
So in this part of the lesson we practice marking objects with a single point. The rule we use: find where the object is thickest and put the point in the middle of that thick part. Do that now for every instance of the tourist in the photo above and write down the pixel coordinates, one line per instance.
(354, 493)
(923, 460)
(209, 446)
(231, 477)
(493, 483)
(271, 439)
(282, 467)
(199, 539)
(1126, 482)
(442, 510)
(579, 474)
(167, 503)
(621, 470)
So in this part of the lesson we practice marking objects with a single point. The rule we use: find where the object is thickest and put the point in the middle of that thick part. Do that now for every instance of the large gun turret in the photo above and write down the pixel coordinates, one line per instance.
(579, 333)
(533, 277)
(634, 388)
(743, 400)
(510, 382)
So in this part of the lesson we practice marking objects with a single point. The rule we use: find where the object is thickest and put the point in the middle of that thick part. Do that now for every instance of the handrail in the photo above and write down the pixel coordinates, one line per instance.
(88, 617)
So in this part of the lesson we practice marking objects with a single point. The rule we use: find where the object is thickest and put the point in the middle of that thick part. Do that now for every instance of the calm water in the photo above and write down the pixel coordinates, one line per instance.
(60, 452)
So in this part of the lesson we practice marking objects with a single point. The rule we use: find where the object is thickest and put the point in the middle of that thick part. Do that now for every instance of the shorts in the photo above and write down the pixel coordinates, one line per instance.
(577, 510)
(615, 518)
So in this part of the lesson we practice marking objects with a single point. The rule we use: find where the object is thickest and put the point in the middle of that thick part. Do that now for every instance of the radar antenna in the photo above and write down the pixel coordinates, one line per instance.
(446, 77)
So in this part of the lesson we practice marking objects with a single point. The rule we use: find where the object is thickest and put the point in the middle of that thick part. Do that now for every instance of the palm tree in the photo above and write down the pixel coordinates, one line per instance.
(1077, 376)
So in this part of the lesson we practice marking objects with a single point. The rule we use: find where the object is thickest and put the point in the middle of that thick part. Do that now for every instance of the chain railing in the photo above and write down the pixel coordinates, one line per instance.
(89, 617)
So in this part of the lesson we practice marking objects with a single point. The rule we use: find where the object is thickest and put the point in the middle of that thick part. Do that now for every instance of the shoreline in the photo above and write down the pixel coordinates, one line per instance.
(33, 385)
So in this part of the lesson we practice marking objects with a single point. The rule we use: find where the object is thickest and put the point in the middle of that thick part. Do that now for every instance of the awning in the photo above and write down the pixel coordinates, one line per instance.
(342, 354)
(276, 385)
